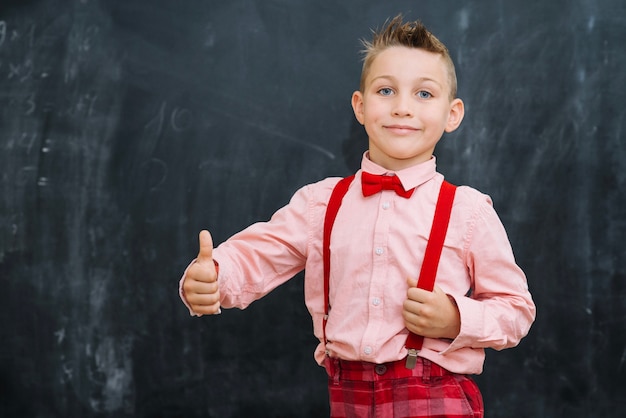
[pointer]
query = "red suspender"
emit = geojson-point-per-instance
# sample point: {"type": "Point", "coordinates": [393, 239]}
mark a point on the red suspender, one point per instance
{"type": "Point", "coordinates": [331, 213]}
{"type": "Point", "coordinates": [434, 247]}
{"type": "Point", "coordinates": [431, 257]}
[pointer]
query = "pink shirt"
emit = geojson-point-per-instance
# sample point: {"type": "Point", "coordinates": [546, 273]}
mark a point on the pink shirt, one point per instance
{"type": "Point", "coordinates": [377, 242]}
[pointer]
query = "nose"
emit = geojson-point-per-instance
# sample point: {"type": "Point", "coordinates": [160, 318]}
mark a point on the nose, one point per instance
{"type": "Point", "coordinates": [402, 106]}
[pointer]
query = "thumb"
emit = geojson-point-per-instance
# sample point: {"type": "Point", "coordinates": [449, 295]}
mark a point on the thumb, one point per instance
{"type": "Point", "coordinates": [205, 255]}
{"type": "Point", "coordinates": [411, 282]}
{"type": "Point", "coordinates": [437, 290]}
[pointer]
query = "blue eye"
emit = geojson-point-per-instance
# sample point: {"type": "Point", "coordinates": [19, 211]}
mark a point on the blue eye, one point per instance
{"type": "Point", "coordinates": [385, 91]}
{"type": "Point", "coordinates": [424, 94]}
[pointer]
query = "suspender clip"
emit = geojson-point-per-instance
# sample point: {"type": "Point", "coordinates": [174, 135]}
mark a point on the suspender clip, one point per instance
{"type": "Point", "coordinates": [411, 359]}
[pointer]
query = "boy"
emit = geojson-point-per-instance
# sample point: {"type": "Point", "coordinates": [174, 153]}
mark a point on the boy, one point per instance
{"type": "Point", "coordinates": [368, 303]}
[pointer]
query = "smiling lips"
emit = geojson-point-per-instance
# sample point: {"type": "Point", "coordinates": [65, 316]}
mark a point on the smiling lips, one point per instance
{"type": "Point", "coordinates": [401, 129]}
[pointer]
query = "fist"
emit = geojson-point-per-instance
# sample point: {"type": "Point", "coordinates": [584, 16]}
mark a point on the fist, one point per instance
{"type": "Point", "coordinates": [431, 314]}
{"type": "Point", "coordinates": [200, 285]}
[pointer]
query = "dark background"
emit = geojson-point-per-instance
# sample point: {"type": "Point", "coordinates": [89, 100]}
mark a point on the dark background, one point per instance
{"type": "Point", "coordinates": [128, 126]}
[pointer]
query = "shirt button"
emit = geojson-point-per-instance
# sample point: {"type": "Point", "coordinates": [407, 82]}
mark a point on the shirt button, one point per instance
{"type": "Point", "coordinates": [386, 205]}
{"type": "Point", "coordinates": [367, 350]}
{"type": "Point", "coordinates": [376, 301]}
{"type": "Point", "coordinates": [379, 251]}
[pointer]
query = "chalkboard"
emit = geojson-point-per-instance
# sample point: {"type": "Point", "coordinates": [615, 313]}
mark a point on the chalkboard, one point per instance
{"type": "Point", "coordinates": [128, 126]}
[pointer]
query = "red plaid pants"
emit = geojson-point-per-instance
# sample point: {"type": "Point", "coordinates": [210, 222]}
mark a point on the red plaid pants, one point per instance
{"type": "Point", "coordinates": [361, 390]}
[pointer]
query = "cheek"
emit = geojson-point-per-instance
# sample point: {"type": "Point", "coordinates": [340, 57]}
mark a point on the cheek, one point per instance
{"type": "Point", "coordinates": [438, 118]}
{"type": "Point", "coordinates": [373, 113]}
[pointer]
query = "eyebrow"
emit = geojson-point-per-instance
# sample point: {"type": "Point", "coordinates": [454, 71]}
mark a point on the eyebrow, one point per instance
{"type": "Point", "coordinates": [421, 79]}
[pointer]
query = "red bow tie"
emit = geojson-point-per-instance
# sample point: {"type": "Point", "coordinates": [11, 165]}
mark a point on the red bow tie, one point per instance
{"type": "Point", "coordinates": [373, 184]}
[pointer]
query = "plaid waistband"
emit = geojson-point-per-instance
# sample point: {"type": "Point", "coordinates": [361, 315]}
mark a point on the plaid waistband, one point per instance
{"type": "Point", "coordinates": [369, 372]}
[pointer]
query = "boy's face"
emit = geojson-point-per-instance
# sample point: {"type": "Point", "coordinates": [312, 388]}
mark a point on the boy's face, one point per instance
{"type": "Point", "coordinates": [405, 106]}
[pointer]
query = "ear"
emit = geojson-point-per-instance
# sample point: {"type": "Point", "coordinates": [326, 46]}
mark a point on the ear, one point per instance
{"type": "Point", "coordinates": [455, 117]}
{"type": "Point", "coordinates": [357, 106]}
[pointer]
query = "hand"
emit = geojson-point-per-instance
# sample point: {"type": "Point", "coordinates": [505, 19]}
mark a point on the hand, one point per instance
{"type": "Point", "coordinates": [431, 314]}
{"type": "Point", "coordinates": [200, 285]}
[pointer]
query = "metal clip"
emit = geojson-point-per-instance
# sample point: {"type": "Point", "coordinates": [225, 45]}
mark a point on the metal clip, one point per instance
{"type": "Point", "coordinates": [411, 358]}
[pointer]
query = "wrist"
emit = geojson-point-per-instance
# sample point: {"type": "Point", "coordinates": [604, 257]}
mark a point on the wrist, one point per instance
{"type": "Point", "coordinates": [455, 324]}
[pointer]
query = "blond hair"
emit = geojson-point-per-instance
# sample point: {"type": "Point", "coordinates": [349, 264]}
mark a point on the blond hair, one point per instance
{"type": "Point", "coordinates": [411, 35]}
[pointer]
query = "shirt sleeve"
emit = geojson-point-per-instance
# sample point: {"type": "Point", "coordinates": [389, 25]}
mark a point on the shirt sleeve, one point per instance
{"type": "Point", "coordinates": [256, 260]}
{"type": "Point", "coordinates": [499, 311]}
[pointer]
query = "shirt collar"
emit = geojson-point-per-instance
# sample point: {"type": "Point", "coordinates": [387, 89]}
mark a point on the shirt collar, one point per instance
{"type": "Point", "coordinates": [409, 177]}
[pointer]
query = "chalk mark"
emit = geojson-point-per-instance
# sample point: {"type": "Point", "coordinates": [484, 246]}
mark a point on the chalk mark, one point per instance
{"type": "Point", "coordinates": [160, 170]}
{"type": "Point", "coordinates": [280, 135]}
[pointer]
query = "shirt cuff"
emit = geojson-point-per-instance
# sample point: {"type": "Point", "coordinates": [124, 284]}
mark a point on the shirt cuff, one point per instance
{"type": "Point", "coordinates": [471, 320]}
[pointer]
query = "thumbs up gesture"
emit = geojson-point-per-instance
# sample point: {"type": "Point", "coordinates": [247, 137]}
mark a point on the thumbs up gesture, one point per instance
{"type": "Point", "coordinates": [200, 285]}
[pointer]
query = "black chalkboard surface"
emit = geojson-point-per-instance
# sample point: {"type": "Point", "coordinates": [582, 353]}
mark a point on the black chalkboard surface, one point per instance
{"type": "Point", "coordinates": [128, 126]}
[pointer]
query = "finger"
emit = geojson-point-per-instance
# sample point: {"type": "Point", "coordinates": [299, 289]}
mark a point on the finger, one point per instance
{"type": "Point", "coordinates": [195, 287]}
{"type": "Point", "coordinates": [205, 255]}
{"type": "Point", "coordinates": [200, 272]}
{"type": "Point", "coordinates": [413, 321]}
{"type": "Point", "coordinates": [197, 299]}
{"type": "Point", "coordinates": [410, 307]}
{"type": "Point", "coordinates": [418, 295]}
{"type": "Point", "coordinates": [437, 290]}
{"type": "Point", "coordinates": [207, 309]}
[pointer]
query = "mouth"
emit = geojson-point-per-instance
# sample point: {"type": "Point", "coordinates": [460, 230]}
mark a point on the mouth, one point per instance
{"type": "Point", "coordinates": [401, 129]}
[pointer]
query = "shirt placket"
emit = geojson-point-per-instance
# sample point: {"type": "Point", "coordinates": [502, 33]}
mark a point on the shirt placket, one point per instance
{"type": "Point", "coordinates": [380, 262]}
